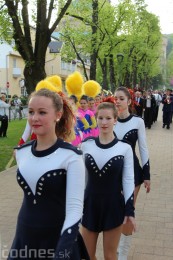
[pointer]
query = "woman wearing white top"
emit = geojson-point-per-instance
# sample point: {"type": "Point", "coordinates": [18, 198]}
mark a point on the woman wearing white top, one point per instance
{"type": "Point", "coordinates": [3, 115]}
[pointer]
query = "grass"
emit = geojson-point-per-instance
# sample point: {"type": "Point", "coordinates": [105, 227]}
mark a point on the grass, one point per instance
{"type": "Point", "coordinates": [14, 133]}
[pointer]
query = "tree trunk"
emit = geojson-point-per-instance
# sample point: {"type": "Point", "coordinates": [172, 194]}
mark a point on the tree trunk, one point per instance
{"type": "Point", "coordinates": [32, 48]}
{"type": "Point", "coordinates": [127, 79]}
{"type": "Point", "coordinates": [104, 73]}
{"type": "Point", "coordinates": [33, 74]}
{"type": "Point", "coordinates": [112, 73]}
{"type": "Point", "coordinates": [93, 56]}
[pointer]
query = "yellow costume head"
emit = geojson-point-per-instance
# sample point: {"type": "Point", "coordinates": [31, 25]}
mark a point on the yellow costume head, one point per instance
{"type": "Point", "coordinates": [74, 84]}
{"type": "Point", "coordinates": [91, 88]}
{"type": "Point", "coordinates": [52, 83]}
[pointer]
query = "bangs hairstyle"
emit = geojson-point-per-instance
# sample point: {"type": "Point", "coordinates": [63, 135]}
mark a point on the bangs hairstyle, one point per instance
{"type": "Point", "coordinates": [107, 105]}
{"type": "Point", "coordinates": [65, 127]}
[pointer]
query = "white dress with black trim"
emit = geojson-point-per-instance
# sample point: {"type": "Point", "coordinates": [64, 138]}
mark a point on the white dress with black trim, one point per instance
{"type": "Point", "coordinates": [53, 184]}
{"type": "Point", "coordinates": [110, 171]}
{"type": "Point", "coordinates": [132, 130]}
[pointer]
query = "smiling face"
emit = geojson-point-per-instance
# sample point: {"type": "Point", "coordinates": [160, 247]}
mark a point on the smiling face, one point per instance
{"type": "Point", "coordinates": [91, 104]}
{"type": "Point", "coordinates": [106, 120]}
{"type": "Point", "coordinates": [122, 101]}
{"type": "Point", "coordinates": [83, 104]}
{"type": "Point", "coordinates": [42, 116]}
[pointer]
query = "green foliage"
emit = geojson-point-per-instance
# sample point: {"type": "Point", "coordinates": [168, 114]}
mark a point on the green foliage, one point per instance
{"type": "Point", "coordinates": [32, 37]}
{"type": "Point", "coordinates": [6, 29]}
{"type": "Point", "coordinates": [170, 68]}
{"type": "Point", "coordinates": [24, 100]}
{"type": "Point", "coordinates": [125, 28]}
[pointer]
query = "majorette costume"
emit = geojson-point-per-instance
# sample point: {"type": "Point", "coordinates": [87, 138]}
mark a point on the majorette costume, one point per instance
{"type": "Point", "coordinates": [49, 218]}
{"type": "Point", "coordinates": [109, 171]}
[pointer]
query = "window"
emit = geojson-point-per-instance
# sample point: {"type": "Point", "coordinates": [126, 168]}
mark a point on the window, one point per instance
{"type": "Point", "coordinates": [14, 63]}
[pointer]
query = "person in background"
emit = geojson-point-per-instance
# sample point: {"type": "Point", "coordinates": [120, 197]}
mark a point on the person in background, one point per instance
{"type": "Point", "coordinates": [81, 122]}
{"type": "Point", "coordinates": [172, 104]}
{"type": "Point", "coordinates": [91, 104]}
{"type": "Point", "coordinates": [18, 107]}
{"type": "Point", "coordinates": [158, 100]}
{"type": "Point", "coordinates": [89, 115]}
{"type": "Point", "coordinates": [110, 170]}
{"type": "Point", "coordinates": [149, 109]}
{"type": "Point", "coordinates": [98, 100]}
{"type": "Point", "coordinates": [139, 103]}
{"type": "Point", "coordinates": [52, 175]}
{"type": "Point", "coordinates": [131, 129]}
{"type": "Point", "coordinates": [4, 111]}
{"type": "Point", "coordinates": [167, 109]}
{"type": "Point", "coordinates": [92, 107]}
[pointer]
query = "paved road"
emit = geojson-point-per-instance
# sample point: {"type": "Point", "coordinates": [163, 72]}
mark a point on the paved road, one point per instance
{"type": "Point", "coordinates": [154, 212]}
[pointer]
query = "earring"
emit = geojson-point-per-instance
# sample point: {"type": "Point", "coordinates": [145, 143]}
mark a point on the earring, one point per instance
{"type": "Point", "coordinates": [57, 120]}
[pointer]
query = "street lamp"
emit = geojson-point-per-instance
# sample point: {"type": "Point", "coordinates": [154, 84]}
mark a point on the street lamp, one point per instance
{"type": "Point", "coordinates": [120, 58]}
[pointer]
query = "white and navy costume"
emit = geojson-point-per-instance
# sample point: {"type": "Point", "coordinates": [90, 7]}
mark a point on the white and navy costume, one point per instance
{"type": "Point", "coordinates": [53, 183]}
{"type": "Point", "coordinates": [110, 170]}
{"type": "Point", "coordinates": [132, 130]}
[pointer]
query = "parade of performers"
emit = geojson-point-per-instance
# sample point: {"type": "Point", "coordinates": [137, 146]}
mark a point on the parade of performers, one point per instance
{"type": "Point", "coordinates": [106, 129]}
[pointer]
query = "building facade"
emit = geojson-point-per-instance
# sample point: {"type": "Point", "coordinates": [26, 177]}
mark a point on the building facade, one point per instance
{"type": "Point", "coordinates": [12, 65]}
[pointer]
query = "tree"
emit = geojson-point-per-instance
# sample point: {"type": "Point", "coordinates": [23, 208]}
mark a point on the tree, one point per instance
{"type": "Point", "coordinates": [142, 47]}
{"type": "Point", "coordinates": [124, 28]}
{"type": "Point", "coordinates": [46, 17]}
{"type": "Point", "coordinates": [5, 25]}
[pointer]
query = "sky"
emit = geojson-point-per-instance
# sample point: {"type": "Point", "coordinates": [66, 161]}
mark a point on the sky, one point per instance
{"type": "Point", "coordinates": [162, 9]}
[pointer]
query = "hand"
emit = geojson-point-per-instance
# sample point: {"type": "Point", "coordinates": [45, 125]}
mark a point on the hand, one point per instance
{"type": "Point", "coordinates": [130, 220]}
{"type": "Point", "coordinates": [147, 185]}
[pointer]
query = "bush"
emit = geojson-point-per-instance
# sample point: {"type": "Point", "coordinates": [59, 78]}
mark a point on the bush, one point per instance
{"type": "Point", "coordinates": [24, 100]}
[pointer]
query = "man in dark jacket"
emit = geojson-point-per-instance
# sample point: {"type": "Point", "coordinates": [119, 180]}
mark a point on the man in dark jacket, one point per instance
{"type": "Point", "coordinates": [149, 109]}
{"type": "Point", "coordinates": [167, 102]}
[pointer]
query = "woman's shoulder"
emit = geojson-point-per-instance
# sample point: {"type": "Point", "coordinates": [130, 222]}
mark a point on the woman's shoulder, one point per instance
{"type": "Point", "coordinates": [124, 142]}
{"type": "Point", "coordinates": [70, 147]}
{"type": "Point", "coordinates": [137, 118]}
{"type": "Point", "coordinates": [29, 143]}
{"type": "Point", "coordinates": [89, 139]}
{"type": "Point", "coordinates": [88, 142]}
{"type": "Point", "coordinates": [125, 145]}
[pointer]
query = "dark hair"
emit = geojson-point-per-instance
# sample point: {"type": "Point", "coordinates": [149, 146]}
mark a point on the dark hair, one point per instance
{"type": "Point", "coordinates": [129, 93]}
{"type": "Point", "coordinates": [74, 98]}
{"type": "Point", "coordinates": [107, 105]}
{"type": "Point", "coordinates": [125, 90]}
{"type": "Point", "coordinates": [90, 99]}
{"type": "Point", "coordinates": [84, 97]}
{"type": "Point", "coordinates": [65, 127]}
